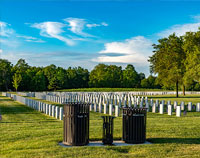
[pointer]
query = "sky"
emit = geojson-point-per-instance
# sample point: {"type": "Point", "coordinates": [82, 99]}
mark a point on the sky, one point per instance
{"type": "Point", "coordinates": [87, 32]}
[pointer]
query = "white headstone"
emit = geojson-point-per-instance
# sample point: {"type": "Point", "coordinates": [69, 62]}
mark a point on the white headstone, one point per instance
{"type": "Point", "coordinates": [198, 107]}
{"type": "Point", "coordinates": [61, 113]}
{"type": "Point", "coordinates": [100, 107]}
{"type": "Point", "coordinates": [178, 111]}
{"type": "Point", "coordinates": [47, 109]}
{"type": "Point", "coordinates": [116, 110]}
{"type": "Point", "coordinates": [105, 108]}
{"type": "Point", "coordinates": [169, 110]}
{"type": "Point", "coordinates": [190, 106]}
{"type": "Point", "coordinates": [57, 112]}
{"type": "Point", "coordinates": [53, 111]}
{"type": "Point", "coordinates": [110, 109]}
{"type": "Point", "coordinates": [182, 105]}
{"type": "Point", "coordinates": [161, 109]}
{"type": "Point", "coordinates": [154, 108]}
{"type": "Point", "coordinates": [95, 107]}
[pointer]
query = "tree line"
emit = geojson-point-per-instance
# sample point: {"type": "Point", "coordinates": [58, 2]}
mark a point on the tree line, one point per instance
{"type": "Point", "coordinates": [24, 77]}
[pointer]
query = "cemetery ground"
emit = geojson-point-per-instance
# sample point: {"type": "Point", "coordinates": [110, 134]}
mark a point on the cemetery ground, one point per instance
{"type": "Point", "coordinates": [108, 90]}
{"type": "Point", "coordinates": [25, 132]}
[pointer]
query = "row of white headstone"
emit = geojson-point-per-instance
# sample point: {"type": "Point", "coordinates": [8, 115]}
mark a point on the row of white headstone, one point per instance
{"type": "Point", "coordinates": [106, 105]}
{"type": "Point", "coordinates": [48, 109]}
{"type": "Point", "coordinates": [134, 93]}
{"type": "Point", "coordinates": [111, 107]}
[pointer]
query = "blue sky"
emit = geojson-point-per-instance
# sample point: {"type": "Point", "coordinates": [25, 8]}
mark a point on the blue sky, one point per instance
{"type": "Point", "coordinates": [85, 33]}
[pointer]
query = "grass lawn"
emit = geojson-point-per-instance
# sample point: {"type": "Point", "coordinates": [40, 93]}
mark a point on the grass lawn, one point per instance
{"type": "Point", "coordinates": [108, 90]}
{"type": "Point", "coordinates": [194, 98]}
{"type": "Point", "coordinates": [28, 133]}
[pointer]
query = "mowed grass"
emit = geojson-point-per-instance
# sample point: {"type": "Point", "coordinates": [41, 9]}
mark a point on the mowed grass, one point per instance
{"type": "Point", "coordinates": [194, 98]}
{"type": "Point", "coordinates": [28, 133]}
{"type": "Point", "coordinates": [108, 90]}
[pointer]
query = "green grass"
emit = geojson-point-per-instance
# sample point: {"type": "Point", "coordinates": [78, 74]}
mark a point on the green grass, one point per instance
{"type": "Point", "coordinates": [108, 90]}
{"type": "Point", "coordinates": [187, 98]}
{"type": "Point", "coordinates": [28, 133]}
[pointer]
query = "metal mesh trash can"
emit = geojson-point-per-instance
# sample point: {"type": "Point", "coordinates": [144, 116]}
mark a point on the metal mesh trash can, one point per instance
{"type": "Point", "coordinates": [76, 124]}
{"type": "Point", "coordinates": [107, 130]}
{"type": "Point", "coordinates": [134, 125]}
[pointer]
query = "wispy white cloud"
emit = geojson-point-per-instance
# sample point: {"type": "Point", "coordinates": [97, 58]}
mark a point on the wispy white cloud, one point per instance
{"type": "Point", "coordinates": [76, 25]}
{"type": "Point", "coordinates": [180, 30]}
{"type": "Point", "coordinates": [58, 29]}
{"type": "Point", "coordinates": [1, 51]}
{"type": "Point", "coordinates": [96, 25]}
{"type": "Point", "coordinates": [5, 30]}
{"type": "Point", "coordinates": [30, 39]}
{"type": "Point", "coordinates": [53, 30]}
{"type": "Point", "coordinates": [134, 50]}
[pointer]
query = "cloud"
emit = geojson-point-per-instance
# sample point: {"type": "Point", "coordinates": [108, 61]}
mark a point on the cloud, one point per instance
{"type": "Point", "coordinates": [59, 58]}
{"type": "Point", "coordinates": [96, 25]}
{"type": "Point", "coordinates": [134, 50]}
{"type": "Point", "coordinates": [180, 30]}
{"type": "Point", "coordinates": [5, 30]}
{"type": "Point", "coordinates": [1, 51]}
{"type": "Point", "coordinates": [53, 30]}
{"type": "Point", "coordinates": [76, 26]}
{"type": "Point", "coordinates": [31, 39]}
{"type": "Point", "coordinates": [57, 30]}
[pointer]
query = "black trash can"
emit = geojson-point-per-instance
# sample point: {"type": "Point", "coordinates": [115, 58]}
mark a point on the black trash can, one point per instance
{"type": "Point", "coordinates": [76, 124]}
{"type": "Point", "coordinates": [107, 130]}
{"type": "Point", "coordinates": [134, 125]}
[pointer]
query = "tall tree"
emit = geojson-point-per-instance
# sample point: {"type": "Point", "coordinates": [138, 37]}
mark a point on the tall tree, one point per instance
{"type": "Point", "coordinates": [192, 63]}
{"type": "Point", "coordinates": [106, 76]}
{"type": "Point", "coordinates": [131, 79]}
{"type": "Point", "coordinates": [21, 67]}
{"type": "Point", "coordinates": [39, 81]}
{"type": "Point", "coordinates": [5, 74]}
{"type": "Point", "coordinates": [17, 78]}
{"type": "Point", "coordinates": [150, 82]}
{"type": "Point", "coordinates": [168, 61]}
{"type": "Point", "coordinates": [98, 75]}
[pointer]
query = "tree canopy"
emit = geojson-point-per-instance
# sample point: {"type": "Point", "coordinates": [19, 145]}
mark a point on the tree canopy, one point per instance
{"type": "Point", "coordinates": [168, 61]}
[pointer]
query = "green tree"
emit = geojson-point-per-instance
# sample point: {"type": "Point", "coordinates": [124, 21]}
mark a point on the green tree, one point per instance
{"type": "Point", "coordinates": [53, 84]}
{"type": "Point", "coordinates": [192, 63]}
{"type": "Point", "coordinates": [168, 61]}
{"type": "Point", "coordinates": [21, 67]}
{"type": "Point", "coordinates": [5, 74]}
{"type": "Point", "coordinates": [150, 82]}
{"type": "Point", "coordinates": [82, 77]}
{"type": "Point", "coordinates": [105, 76]}
{"type": "Point", "coordinates": [98, 75]}
{"type": "Point", "coordinates": [131, 79]}
{"type": "Point", "coordinates": [39, 81]}
{"type": "Point", "coordinates": [17, 78]}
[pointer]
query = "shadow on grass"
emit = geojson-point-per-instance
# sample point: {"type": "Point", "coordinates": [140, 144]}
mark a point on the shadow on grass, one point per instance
{"type": "Point", "coordinates": [174, 140]}
{"type": "Point", "coordinates": [16, 110]}
{"type": "Point", "coordinates": [39, 122]}
{"type": "Point", "coordinates": [119, 149]}
{"type": "Point", "coordinates": [5, 100]}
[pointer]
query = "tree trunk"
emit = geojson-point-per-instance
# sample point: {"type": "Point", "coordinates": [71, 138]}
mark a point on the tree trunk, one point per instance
{"type": "Point", "coordinates": [184, 90]}
{"type": "Point", "coordinates": [177, 89]}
